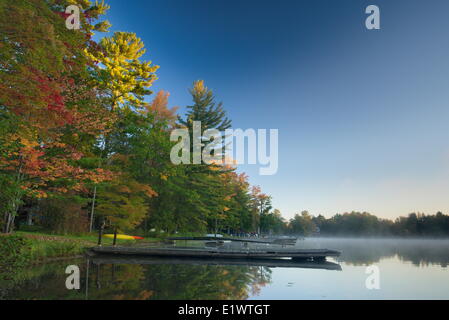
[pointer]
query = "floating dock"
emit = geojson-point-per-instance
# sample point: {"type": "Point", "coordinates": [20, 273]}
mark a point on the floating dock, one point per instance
{"type": "Point", "coordinates": [222, 253]}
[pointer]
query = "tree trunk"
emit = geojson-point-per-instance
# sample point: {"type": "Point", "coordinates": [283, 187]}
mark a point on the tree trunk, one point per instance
{"type": "Point", "coordinates": [5, 221]}
{"type": "Point", "coordinates": [29, 218]}
{"type": "Point", "coordinates": [9, 222]}
{"type": "Point", "coordinates": [6, 225]}
{"type": "Point", "coordinates": [11, 225]}
{"type": "Point", "coordinates": [93, 209]}
{"type": "Point", "coordinates": [10, 216]}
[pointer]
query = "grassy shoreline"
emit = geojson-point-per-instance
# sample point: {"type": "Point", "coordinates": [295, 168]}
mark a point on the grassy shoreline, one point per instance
{"type": "Point", "coordinates": [22, 250]}
{"type": "Point", "coordinates": [31, 248]}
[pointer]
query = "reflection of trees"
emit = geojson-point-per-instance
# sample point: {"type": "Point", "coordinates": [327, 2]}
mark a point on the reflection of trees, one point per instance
{"type": "Point", "coordinates": [369, 251]}
{"type": "Point", "coordinates": [203, 282]}
{"type": "Point", "coordinates": [189, 281]}
{"type": "Point", "coordinates": [422, 256]}
{"type": "Point", "coordinates": [143, 282]}
{"type": "Point", "coordinates": [117, 282]}
{"type": "Point", "coordinates": [176, 282]}
{"type": "Point", "coordinates": [45, 282]}
{"type": "Point", "coordinates": [262, 277]}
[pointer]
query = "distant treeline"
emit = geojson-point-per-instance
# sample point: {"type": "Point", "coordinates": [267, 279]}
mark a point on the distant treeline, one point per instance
{"type": "Point", "coordinates": [366, 224]}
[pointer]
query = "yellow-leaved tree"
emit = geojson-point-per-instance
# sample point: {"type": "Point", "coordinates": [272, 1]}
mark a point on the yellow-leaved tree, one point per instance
{"type": "Point", "coordinates": [123, 79]}
{"type": "Point", "coordinates": [122, 74]}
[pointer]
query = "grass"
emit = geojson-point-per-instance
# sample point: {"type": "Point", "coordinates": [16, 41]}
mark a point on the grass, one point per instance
{"type": "Point", "coordinates": [46, 246]}
{"type": "Point", "coordinates": [44, 250]}
{"type": "Point", "coordinates": [90, 239]}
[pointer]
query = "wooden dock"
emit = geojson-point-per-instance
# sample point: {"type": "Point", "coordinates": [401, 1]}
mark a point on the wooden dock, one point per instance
{"type": "Point", "coordinates": [222, 253]}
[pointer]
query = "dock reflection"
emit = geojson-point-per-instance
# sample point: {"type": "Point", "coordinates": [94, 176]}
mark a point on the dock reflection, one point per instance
{"type": "Point", "coordinates": [269, 263]}
{"type": "Point", "coordinates": [123, 277]}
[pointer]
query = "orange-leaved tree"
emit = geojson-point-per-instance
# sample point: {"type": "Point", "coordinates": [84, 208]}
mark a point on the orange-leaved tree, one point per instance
{"type": "Point", "coordinates": [49, 113]}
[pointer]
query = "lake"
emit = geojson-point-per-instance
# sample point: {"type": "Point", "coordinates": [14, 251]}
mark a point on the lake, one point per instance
{"type": "Point", "coordinates": [400, 269]}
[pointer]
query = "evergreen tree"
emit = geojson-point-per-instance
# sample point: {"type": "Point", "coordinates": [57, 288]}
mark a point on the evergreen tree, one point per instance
{"type": "Point", "coordinates": [205, 109]}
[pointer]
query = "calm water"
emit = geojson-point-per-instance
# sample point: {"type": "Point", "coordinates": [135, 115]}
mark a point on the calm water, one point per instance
{"type": "Point", "coordinates": [409, 269]}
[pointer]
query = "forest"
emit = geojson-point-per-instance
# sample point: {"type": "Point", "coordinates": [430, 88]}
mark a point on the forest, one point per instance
{"type": "Point", "coordinates": [85, 142]}
{"type": "Point", "coordinates": [363, 224]}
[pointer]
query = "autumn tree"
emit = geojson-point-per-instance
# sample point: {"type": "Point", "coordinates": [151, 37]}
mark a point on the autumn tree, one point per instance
{"type": "Point", "coordinates": [143, 139]}
{"type": "Point", "coordinates": [44, 92]}
{"type": "Point", "coordinates": [77, 131]}
{"type": "Point", "coordinates": [124, 77]}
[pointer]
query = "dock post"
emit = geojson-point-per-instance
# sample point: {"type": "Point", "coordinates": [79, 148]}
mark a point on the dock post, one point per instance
{"type": "Point", "coordinates": [115, 237]}
{"type": "Point", "coordinates": [100, 233]}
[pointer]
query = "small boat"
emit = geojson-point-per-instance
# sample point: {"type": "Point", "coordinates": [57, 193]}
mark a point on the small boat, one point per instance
{"type": "Point", "coordinates": [123, 237]}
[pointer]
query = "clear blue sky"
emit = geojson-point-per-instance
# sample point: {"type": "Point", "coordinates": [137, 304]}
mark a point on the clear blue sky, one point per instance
{"type": "Point", "coordinates": [362, 115]}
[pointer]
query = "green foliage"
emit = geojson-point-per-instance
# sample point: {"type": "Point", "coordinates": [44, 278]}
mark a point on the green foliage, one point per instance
{"type": "Point", "coordinates": [204, 109]}
{"type": "Point", "coordinates": [422, 225]}
{"type": "Point", "coordinates": [272, 222]}
{"type": "Point", "coordinates": [302, 224]}
{"type": "Point", "coordinates": [123, 203]}
{"type": "Point", "coordinates": [15, 254]}
{"type": "Point", "coordinates": [10, 196]}
{"type": "Point", "coordinates": [64, 215]}
{"type": "Point", "coordinates": [354, 224]}
{"type": "Point", "coordinates": [18, 252]}
{"type": "Point", "coordinates": [75, 125]}
{"type": "Point", "coordinates": [74, 117]}
{"type": "Point", "coordinates": [363, 224]}
{"type": "Point", "coordinates": [47, 120]}
{"type": "Point", "coordinates": [42, 250]}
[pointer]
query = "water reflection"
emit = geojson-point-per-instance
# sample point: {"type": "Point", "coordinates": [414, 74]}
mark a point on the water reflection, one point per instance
{"type": "Point", "coordinates": [419, 263]}
{"type": "Point", "coordinates": [116, 278]}
{"type": "Point", "coordinates": [143, 281]}
{"type": "Point", "coordinates": [268, 263]}
{"type": "Point", "coordinates": [419, 252]}
{"type": "Point", "coordinates": [188, 279]}
{"type": "Point", "coordinates": [174, 281]}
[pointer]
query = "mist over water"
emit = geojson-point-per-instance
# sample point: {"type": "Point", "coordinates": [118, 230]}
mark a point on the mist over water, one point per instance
{"type": "Point", "coordinates": [408, 269]}
{"type": "Point", "coordinates": [363, 251]}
